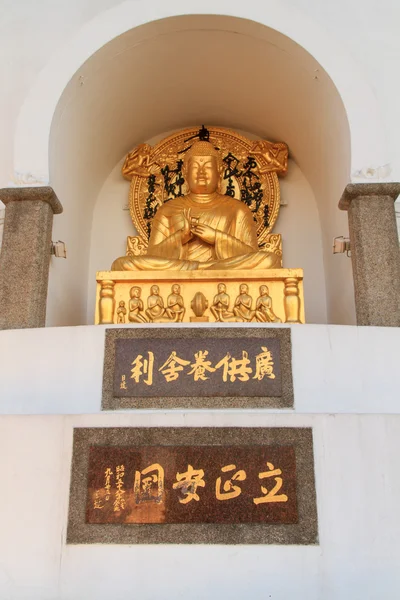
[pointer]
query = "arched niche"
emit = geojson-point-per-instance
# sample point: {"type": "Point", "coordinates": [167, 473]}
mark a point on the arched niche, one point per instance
{"type": "Point", "coordinates": [188, 70]}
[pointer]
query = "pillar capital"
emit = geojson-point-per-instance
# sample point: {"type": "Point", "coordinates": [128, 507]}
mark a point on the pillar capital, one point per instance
{"type": "Point", "coordinates": [363, 190]}
{"type": "Point", "coordinates": [32, 194]}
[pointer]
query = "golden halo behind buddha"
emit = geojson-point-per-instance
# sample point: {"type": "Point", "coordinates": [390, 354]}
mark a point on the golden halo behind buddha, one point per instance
{"type": "Point", "coordinates": [254, 165]}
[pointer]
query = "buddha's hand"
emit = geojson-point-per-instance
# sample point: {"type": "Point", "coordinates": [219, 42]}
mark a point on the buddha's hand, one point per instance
{"type": "Point", "coordinates": [186, 232]}
{"type": "Point", "coordinates": [205, 233]}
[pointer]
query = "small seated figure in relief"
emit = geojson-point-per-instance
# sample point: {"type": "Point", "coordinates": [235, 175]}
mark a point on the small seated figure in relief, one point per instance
{"type": "Point", "coordinates": [220, 306]}
{"type": "Point", "coordinates": [264, 312]}
{"type": "Point", "coordinates": [155, 305]}
{"type": "Point", "coordinates": [204, 229]}
{"type": "Point", "coordinates": [243, 302]}
{"type": "Point", "coordinates": [121, 312]}
{"type": "Point", "coordinates": [136, 306]}
{"type": "Point", "coordinates": [175, 307]}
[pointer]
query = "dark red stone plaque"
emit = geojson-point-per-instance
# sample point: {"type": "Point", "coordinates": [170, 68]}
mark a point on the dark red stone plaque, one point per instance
{"type": "Point", "coordinates": [197, 368]}
{"type": "Point", "coordinates": [192, 484]}
{"type": "Point", "coordinates": [205, 367]}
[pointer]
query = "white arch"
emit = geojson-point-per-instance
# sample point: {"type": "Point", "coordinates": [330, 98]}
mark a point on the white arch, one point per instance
{"type": "Point", "coordinates": [31, 148]}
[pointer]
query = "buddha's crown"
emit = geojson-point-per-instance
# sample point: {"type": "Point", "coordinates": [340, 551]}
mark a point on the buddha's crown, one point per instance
{"type": "Point", "coordinates": [202, 148]}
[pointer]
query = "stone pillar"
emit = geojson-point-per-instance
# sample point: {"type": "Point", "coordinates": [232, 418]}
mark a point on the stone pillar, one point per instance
{"type": "Point", "coordinates": [375, 253]}
{"type": "Point", "coordinates": [25, 255]}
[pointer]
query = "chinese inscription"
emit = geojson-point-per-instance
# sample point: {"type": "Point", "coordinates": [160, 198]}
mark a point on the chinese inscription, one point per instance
{"type": "Point", "coordinates": [202, 367]}
{"type": "Point", "coordinates": [179, 484]}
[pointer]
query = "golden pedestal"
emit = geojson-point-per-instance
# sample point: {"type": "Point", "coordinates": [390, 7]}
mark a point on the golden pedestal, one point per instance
{"type": "Point", "coordinates": [200, 296]}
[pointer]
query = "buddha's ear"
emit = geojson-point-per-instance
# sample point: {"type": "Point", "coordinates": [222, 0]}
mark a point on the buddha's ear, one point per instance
{"type": "Point", "coordinates": [221, 168]}
{"type": "Point", "coordinates": [184, 170]}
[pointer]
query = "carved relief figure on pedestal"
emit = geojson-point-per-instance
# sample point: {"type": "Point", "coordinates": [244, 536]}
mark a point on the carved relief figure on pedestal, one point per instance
{"type": "Point", "coordinates": [136, 306]}
{"type": "Point", "coordinates": [175, 306]}
{"type": "Point", "coordinates": [155, 304]}
{"type": "Point", "coordinates": [243, 303]}
{"type": "Point", "coordinates": [121, 312]}
{"type": "Point", "coordinates": [264, 312]}
{"type": "Point", "coordinates": [220, 306]}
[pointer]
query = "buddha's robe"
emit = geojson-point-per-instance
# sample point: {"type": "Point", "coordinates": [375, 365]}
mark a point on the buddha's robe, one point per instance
{"type": "Point", "coordinates": [235, 243]}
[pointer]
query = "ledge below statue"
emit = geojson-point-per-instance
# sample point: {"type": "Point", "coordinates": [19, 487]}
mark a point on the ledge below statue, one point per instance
{"type": "Point", "coordinates": [263, 296]}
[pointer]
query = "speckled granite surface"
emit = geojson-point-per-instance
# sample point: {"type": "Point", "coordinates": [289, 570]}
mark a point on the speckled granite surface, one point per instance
{"type": "Point", "coordinates": [305, 531]}
{"type": "Point", "coordinates": [284, 400]}
{"type": "Point", "coordinates": [25, 255]}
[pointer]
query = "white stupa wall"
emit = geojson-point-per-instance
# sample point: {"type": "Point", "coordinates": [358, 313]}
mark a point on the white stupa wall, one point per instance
{"type": "Point", "coordinates": [345, 389]}
{"type": "Point", "coordinates": [345, 378]}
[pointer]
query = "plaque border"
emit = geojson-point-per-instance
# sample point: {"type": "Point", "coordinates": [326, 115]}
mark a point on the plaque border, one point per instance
{"type": "Point", "coordinates": [111, 402]}
{"type": "Point", "coordinates": [305, 532]}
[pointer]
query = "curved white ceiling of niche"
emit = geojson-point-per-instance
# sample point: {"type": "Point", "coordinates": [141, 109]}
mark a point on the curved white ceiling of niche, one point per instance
{"type": "Point", "coordinates": [31, 148]}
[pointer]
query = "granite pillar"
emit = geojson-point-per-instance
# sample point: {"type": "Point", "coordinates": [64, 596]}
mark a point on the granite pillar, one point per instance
{"type": "Point", "coordinates": [375, 251]}
{"type": "Point", "coordinates": [25, 255]}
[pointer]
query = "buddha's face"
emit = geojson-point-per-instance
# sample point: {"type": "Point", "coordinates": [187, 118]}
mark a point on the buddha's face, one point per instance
{"type": "Point", "coordinates": [202, 174]}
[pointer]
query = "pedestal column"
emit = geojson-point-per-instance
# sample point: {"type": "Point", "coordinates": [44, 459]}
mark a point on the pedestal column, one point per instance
{"type": "Point", "coordinates": [375, 251]}
{"type": "Point", "coordinates": [25, 255]}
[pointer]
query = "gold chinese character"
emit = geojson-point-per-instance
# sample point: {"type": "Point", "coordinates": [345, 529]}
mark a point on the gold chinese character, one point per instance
{"type": "Point", "coordinates": [235, 367]}
{"type": "Point", "coordinates": [143, 367]}
{"type": "Point", "coordinates": [123, 383]}
{"type": "Point", "coordinates": [264, 365]}
{"type": "Point", "coordinates": [97, 500]}
{"type": "Point", "coordinates": [229, 490]}
{"type": "Point", "coordinates": [201, 365]}
{"type": "Point", "coordinates": [107, 482]}
{"type": "Point", "coordinates": [188, 483]}
{"type": "Point", "coordinates": [149, 484]}
{"type": "Point", "coordinates": [271, 496]}
{"type": "Point", "coordinates": [171, 370]}
{"type": "Point", "coordinates": [119, 501]}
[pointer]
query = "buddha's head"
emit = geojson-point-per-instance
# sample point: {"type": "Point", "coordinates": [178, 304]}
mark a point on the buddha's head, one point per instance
{"type": "Point", "coordinates": [202, 168]}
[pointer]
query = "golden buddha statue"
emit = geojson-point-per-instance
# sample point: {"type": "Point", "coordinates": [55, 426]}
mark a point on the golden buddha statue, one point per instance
{"type": "Point", "coordinates": [204, 229]}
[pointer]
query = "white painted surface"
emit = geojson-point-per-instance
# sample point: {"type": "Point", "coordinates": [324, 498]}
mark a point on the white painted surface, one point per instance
{"type": "Point", "coordinates": [357, 461]}
{"type": "Point", "coordinates": [336, 369]}
{"type": "Point", "coordinates": [360, 103]}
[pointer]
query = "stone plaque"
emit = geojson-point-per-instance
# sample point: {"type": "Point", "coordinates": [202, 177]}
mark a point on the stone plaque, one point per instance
{"type": "Point", "coordinates": [199, 484]}
{"type": "Point", "coordinates": [217, 368]}
{"type": "Point", "coordinates": [185, 485]}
